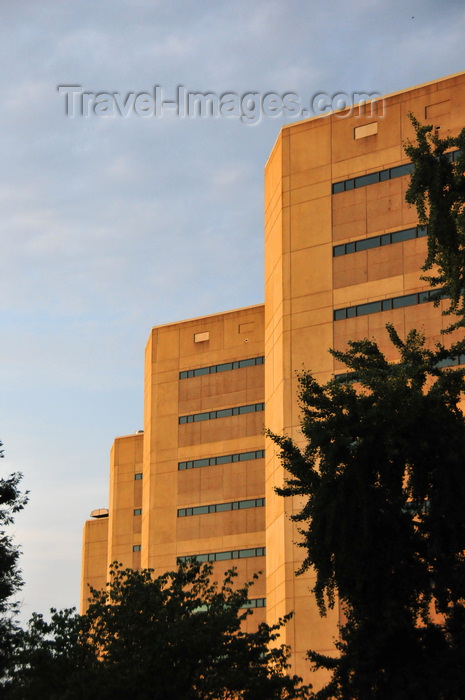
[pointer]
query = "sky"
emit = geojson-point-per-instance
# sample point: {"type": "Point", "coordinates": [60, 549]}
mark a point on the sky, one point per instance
{"type": "Point", "coordinates": [112, 224]}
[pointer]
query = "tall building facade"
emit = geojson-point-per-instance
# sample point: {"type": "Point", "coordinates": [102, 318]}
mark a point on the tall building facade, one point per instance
{"type": "Point", "coordinates": [343, 256]}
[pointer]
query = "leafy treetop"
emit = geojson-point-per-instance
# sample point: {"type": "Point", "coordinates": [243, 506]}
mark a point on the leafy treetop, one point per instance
{"type": "Point", "coordinates": [437, 189]}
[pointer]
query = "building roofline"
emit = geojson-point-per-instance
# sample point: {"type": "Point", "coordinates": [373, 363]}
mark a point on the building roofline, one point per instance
{"type": "Point", "coordinates": [209, 316]}
{"type": "Point", "coordinates": [390, 95]}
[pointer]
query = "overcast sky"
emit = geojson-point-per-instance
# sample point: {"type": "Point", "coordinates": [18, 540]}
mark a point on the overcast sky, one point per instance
{"type": "Point", "coordinates": [112, 225]}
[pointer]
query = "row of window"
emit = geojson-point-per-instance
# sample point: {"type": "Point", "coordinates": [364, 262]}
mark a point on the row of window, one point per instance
{"type": "Point", "coordinates": [407, 234]}
{"type": "Point", "coordinates": [448, 362]}
{"type": "Point", "coordinates": [222, 413]}
{"type": "Point", "coordinates": [373, 307]}
{"type": "Point", "coordinates": [224, 367]}
{"type": "Point", "coordinates": [221, 459]}
{"type": "Point", "coordinates": [370, 179]}
{"type": "Point", "coordinates": [383, 175]}
{"type": "Point", "coordinates": [223, 556]}
{"type": "Point", "coordinates": [255, 603]}
{"type": "Point", "coordinates": [221, 507]}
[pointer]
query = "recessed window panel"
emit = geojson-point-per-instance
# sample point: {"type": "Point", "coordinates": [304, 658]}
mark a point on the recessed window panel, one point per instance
{"type": "Point", "coordinates": [407, 300]}
{"type": "Point", "coordinates": [405, 235]}
{"type": "Point", "coordinates": [201, 416]}
{"type": "Point", "coordinates": [222, 556]}
{"type": "Point", "coordinates": [338, 187]}
{"type": "Point", "coordinates": [401, 170]}
{"type": "Point", "coordinates": [369, 179]}
{"type": "Point", "coordinates": [247, 504]}
{"type": "Point", "coordinates": [200, 510]}
{"type": "Point", "coordinates": [221, 507]}
{"type": "Point", "coordinates": [222, 367]}
{"type": "Point", "coordinates": [367, 243]}
{"type": "Point", "coordinates": [339, 250]}
{"type": "Point", "coordinates": [370, 308]}
{"type": "Point", "coordinates": [247, 363]}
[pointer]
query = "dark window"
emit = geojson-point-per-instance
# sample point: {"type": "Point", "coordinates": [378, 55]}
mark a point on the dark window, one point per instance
{"type": "Point", "coordinates": [369, 179]}
{"type": "Point", "coordinates": [339, 314]}
{"type": "Point", "coordinates": [221, 459]}
{"type": "Point", "coordinates": [201, 416]}
{"type": "Point", "coordinates": [405, 235]}
{"type": "Point", "coordinates": [137, 511]}
{"type": "Point", "coordinates": [138, 476]}
{"type": "Point", "coordinates": [221, 507]}
{"type": "Point", "coordinates": [136, 548]}
{"type": "Point", "coordinates": [223, 367]}
{"type": "Point", "coordinates": [247, 363]}
{"type": "Point", "coordinates": [372, 178]}
{"type": "Point", "coordinates": [222, 556]}
{"type": "Point", "coordinates": [245, 553]}
{"type": "Point", "coordinates": [407, 300]}
{"type": "Point", "coordinates": [401, 170]}
{"type": "Point", "coordinates": [251, 503]}
{"type": "Point", "coordinates": [367, 243]}
{"type": "Point", "coordinates": [386, 304]}
{"type": "Point", "coordinates": [370, 308]}
{"type": "Point", "coordinates": [222, 413]}
{"type": "Point", "coordinates": [376, 241]}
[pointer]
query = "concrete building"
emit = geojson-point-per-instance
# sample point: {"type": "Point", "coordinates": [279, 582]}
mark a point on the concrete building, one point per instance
{"type": "Point", "coordinates": [342, 258]}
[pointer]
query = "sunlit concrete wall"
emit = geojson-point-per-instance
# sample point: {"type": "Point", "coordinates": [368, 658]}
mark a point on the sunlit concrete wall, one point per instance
{"type": "Point", "coordinates": [305, 284]}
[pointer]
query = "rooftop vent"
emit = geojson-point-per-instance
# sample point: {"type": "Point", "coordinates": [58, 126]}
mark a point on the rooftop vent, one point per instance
{"type": "Point", "coordinates": [99, 513]}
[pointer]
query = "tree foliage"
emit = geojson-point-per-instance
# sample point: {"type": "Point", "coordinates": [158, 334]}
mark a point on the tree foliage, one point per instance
{"type": "Point", "coordinates": [437, 189]}
{"type": "Point", "coordinates": [11, 502]}
{"type": "Point", "coordinates": [174, 636]}
{"type": "Point", "coordinates": [382, 476]}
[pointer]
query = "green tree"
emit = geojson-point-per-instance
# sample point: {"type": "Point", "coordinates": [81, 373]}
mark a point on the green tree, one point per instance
{"type": "Point", "coordinates": [174, 636]}
{"type": "Point", "coordinates": [437, 189]}
{"type": "Point", "coordinates": [11, 502]}
{"type": "Point", "coordinates": [382, 476]}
